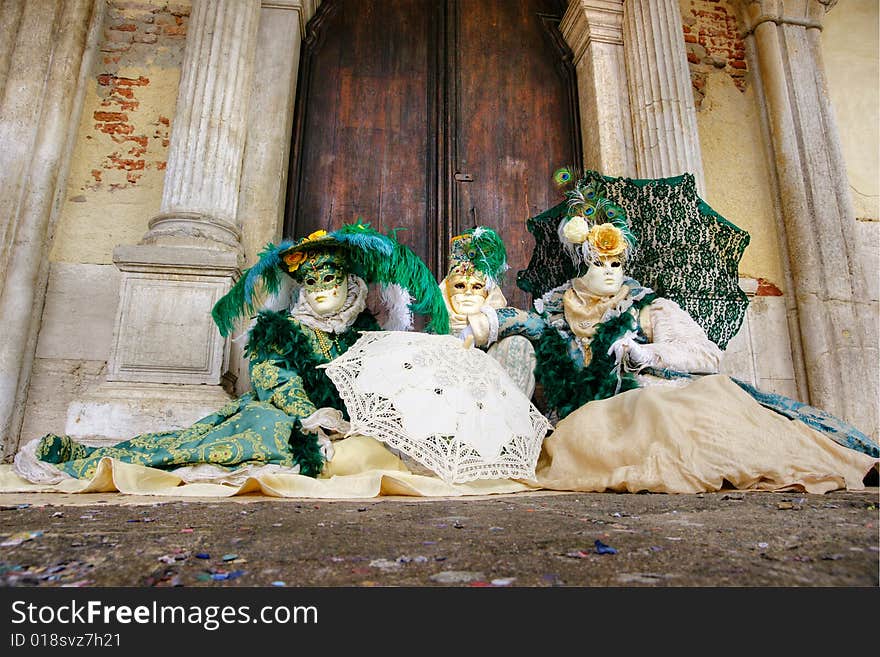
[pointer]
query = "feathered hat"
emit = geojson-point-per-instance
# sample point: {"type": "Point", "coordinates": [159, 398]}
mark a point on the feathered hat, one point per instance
{"type": "Point", "coordinates": [380, 260]}
{"type": "Point", "coordinates": [593, 227]}
{"type": "Point", "coordinates": [478, 249]}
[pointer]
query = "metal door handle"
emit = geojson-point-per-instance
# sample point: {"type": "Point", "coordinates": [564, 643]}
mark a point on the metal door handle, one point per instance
{"type": "Point", "coordinates": [463, 177]}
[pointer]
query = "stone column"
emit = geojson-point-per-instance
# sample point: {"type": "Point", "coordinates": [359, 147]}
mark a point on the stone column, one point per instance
{"type": "Point", "coordinates": [593, 30]}
{"type": "Point", "coordinates": [664, 119]}
{"type": "Point", "coordinates": [168, 365]}
{"type": "Point", "coordinates": [44, 54]}
{"type": "Point", "coordinates": [837, 321]}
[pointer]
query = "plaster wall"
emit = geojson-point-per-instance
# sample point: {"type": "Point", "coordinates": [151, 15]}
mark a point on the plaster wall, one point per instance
{"type": "Point", "coordinates": [117, 169]}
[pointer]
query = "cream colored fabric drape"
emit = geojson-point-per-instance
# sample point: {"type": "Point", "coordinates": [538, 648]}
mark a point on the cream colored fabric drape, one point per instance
{"type": "Point", "coordinates": [690, 440]}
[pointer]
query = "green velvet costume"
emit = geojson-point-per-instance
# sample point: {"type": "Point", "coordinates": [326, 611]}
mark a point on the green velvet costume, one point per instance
{"type": "Point", "coordinates": [260, 427]}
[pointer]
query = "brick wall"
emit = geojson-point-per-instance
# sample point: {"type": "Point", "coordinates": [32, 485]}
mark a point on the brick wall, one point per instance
{"type": "Point", "coordinates": [137, 37]}
{"type": "Point", "coordinates": [713, 44]}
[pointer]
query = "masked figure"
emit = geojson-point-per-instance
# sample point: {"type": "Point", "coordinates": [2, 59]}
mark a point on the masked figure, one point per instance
{"type": "Point", "coordinates": [679, 426]}
{"type": "Point", "coordinates": [318, 287]}
{"type": "Point", "coordinates": [472, 294]}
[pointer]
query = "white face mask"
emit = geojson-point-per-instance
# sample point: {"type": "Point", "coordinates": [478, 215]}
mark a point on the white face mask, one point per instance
{"type": "Point", "coordinates": [329, 300]}
{"type": "Point", "coordinates": [604, 277]}
{"type": "Point", "coordinates": [467, 294]}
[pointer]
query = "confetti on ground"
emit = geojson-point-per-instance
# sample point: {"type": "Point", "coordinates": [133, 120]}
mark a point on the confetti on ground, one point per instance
{"type": "Point", "coordinates": [202, 555]}
{"type": "Point", "coordinates": [278, 582]}
{"type": "Point", "coordinates": [21, 537]}
{"type": "Point", "coordinates": [229, 557]}
{"type": "Point", "coordinates": [456, 577]}
{"type": "Point", "coordinates": [601, 548]}
{"type": "Point", "coordinates": [503, 581]}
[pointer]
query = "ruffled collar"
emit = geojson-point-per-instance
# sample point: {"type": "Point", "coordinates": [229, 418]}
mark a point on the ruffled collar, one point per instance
{"type": "Point", "coordinates": [340, 321]}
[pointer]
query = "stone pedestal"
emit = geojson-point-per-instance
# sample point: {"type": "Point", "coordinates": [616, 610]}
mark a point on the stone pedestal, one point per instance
{"type": "Point", "coordinates": [164, 332]}
{"type": "Point", "coordinates": [117, 411]}
{"type": "Point", "coordinates": [168, 365]}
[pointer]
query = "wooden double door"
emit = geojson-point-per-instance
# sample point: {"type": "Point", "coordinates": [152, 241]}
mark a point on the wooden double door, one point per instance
{"type": "Point", "coordinates": [433, 116]}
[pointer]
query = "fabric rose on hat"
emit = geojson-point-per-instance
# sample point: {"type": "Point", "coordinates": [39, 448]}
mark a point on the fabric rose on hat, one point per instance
{"type": "Point", "coordinates": [607, 240]}
{"type": "Point", "coordinates": [576, 230]}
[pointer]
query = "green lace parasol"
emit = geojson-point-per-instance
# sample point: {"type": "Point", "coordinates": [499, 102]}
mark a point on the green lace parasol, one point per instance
{"type": "Point", "coordinates": [685, 250]}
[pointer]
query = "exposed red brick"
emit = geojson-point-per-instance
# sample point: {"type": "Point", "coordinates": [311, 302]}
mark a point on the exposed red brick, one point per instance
{"type": "Point", "coordinates": [131, 82]}
{"type": "Point", "coordinates": [179, 30]}
{"type": "Point", "coordinates": [738, 64]}
{"type": "Point", "coordinates": [124, 27]}
{"type": "Point", "coordinates": [110, 116]}
{"type": "Point", "coordinates": [767, 289]}
{"type": "Point", "coordinates": [96, 174]}
{"type": "Point", "coordinates": [160, 166]}
{"type": "Point", "coordinates": [125, 164]}
{"type": "Point", "coordinates": [125, 92]}
{"type": "Point", "coordinates": [115, 128]}
{"type": "Point", "coordinates": [164, 120]}
{"type": "Point", "coordinates": [692, 58]}
{"type": "Point", "coordinates": [690, 38]}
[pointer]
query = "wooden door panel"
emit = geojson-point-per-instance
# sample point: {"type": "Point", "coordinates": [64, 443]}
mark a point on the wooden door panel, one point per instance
{"type": "Point", "coordinates": [397, 96]}
{"type": "Point", "coordinates": [362, 147]}
{"type": "Point", "coordinates": [513, 120]}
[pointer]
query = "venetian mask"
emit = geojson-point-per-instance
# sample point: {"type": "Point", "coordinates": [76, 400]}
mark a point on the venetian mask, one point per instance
{"type": "Point", "coordinates": [467, 293]}
{"type": "Point", "coordinates": [604, 276]}
{"type": "Point", "coordinates": [325, 287]}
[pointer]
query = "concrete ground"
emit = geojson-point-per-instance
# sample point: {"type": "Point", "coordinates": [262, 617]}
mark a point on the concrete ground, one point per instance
{"type": "Point", "coordinates": [536, 539]}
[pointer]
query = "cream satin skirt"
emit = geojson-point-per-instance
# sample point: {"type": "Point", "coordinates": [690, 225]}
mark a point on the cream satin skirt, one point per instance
{"type": "Point", "coordinates": [692, 439]}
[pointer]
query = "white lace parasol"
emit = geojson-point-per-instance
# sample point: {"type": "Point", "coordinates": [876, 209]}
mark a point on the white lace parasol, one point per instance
{"type": "Point", "coordinates": [455, 410]}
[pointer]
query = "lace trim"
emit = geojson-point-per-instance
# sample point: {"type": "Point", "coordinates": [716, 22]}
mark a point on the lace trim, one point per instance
{"type": "Point", "coordinates": [28, 466]}
{"type": "Point", "coordinates": [214, 474]}
{"type": "Point", "coordinates": [339, 322]}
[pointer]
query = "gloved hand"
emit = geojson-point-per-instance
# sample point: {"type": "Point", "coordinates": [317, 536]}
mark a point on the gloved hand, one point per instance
{"type": "Point", "coordinates": [634, 352]}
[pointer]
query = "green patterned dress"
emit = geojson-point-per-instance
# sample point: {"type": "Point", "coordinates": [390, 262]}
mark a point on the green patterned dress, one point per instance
{"type": "Point", "coordinates": [261, 427]}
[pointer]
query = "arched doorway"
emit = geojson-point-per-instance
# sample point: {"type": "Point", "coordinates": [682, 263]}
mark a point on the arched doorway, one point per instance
{"type": "Point", "coordinates": [433, 116]}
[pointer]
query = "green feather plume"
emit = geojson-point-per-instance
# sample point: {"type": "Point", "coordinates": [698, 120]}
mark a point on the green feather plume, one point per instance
{"type": "Point", "coordinates": [487, 252]}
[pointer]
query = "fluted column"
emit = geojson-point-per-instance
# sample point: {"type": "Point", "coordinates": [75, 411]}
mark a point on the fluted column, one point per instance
{"type": "Point", "coordinates": [837, 321]}
{"type": "Point", "coordinates": [593, 30]}
{"type": "Point", "coordinates": [664, 120]}
{"type": "Point", "coordinates": [43, 57]}
{"type": "Point", "coordinates": [200, 196]}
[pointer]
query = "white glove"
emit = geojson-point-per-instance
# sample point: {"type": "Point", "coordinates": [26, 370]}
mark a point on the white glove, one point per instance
{"type": "Point", "coordinates": [636, 353]}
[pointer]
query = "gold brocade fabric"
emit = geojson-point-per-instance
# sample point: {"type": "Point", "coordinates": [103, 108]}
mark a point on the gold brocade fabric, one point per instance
{"type": "Point", "coordinates": [689, 440]}
{"type": "Point", "coordinates": [583, 311]}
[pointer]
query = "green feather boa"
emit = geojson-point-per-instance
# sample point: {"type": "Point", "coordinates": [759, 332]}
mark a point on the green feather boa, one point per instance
{"type": "Point", "coordinates": [566, 386]}
{"type": "Point", "coordinates": [274, 335]}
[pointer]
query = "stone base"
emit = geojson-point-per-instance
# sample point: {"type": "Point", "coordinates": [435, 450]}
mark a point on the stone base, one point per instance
{"type": "Point", "coordinates": [119, 411]}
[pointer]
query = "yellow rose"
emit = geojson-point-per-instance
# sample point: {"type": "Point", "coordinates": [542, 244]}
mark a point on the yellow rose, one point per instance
{"type": "Point", "coordinates": [294, 260]}
{"type": "Point", "coordinates": [576, 230]}
{"type": "Point", "coordinates": [607, 240]}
